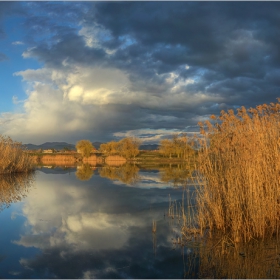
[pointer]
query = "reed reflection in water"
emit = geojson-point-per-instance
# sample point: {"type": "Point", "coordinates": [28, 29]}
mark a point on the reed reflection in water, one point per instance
{"type": "Point", "coordinates": [14, 187]}
{"type": "Point", "coordinates": [218, 257]}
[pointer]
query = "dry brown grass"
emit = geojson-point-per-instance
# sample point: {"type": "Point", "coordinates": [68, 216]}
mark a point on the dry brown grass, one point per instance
{"type": "Point", "coordinates": [92, 159]}
{"type": "Point", "coordinates": [57, 159]}
{"type": "Point", "coordinates": [239, 168]}
{"type": "Point", "coordinates": [115, 160]}
{"type": "Point", "coordinates": [12, 157]}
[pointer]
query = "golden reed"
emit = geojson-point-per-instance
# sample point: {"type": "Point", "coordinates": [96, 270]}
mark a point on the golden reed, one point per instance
{"type": "Point", "coordinates": [12, 157]}
{"type": "Point", "coordinates": [239, 167]}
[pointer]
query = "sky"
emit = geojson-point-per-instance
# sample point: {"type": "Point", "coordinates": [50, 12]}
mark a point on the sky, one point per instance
{"type": "Point", "coordinates": [107, 70]}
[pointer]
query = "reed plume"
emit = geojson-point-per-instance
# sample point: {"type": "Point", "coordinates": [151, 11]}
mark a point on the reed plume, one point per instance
{"type": "Point", "coordinates": [239, 167]}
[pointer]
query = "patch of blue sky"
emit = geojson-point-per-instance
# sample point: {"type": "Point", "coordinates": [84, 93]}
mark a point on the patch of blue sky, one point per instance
{"type": "Point", "coordinates": [215, 106]}
{"type": "Point", "coordinates": [147, 135]}
{"type": "Point", "coordinates": [127, 41]}
{"type": "Point", "coordinates": [13, 46]}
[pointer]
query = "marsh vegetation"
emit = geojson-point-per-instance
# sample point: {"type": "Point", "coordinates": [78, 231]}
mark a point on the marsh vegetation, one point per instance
{"type": "Point", "coordinates": [239, 174]}
{"type": "Point", "coordinates": [13, 159]}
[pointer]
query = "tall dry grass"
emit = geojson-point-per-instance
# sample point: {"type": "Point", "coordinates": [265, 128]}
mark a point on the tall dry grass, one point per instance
{"type": "Point", "coordinates": [12, 157]}
{"type": "Point", "coordinates": [239, 167]}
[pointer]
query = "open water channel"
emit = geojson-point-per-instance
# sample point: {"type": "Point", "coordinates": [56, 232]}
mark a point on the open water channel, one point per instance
{"type": "Point", "coordinates": [98, 223]}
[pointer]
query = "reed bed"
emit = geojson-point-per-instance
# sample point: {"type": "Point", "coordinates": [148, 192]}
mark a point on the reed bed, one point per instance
{"type": "Point", "coordinates": [12, 157]}
{"type": "Point", "coordinates": [239, 167]}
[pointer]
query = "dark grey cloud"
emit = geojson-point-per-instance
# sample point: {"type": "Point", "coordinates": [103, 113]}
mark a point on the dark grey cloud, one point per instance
{"type": "Point", "coordinates": [48, 22]}
{"type": "Point", "coordinates": [72, 49]}
{"type": "Point", "coordinates": [235, 39]}
{"type": "Point", "coordinates": [231, 38]}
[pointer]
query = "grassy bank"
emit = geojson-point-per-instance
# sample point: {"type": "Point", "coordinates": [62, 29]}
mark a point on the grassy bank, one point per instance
{"type": "Point", "coordinates": [13, 159]}
{"type": "Point", "coordinates": [240, 172]}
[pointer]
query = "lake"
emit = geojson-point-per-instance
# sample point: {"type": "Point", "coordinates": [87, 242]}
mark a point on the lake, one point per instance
{"type": "Point", "coordinates": [59, 226]}
{"type": "Point", "coordinates": [114, 222]}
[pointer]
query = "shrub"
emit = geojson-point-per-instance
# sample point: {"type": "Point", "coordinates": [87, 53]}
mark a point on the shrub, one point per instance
{"type": "Point", "coordinates": [85, 147]}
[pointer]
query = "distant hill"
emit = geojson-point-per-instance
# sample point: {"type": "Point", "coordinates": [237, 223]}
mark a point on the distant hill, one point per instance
{"type": "Point", "coordinates": [50, 145]}
{"type": "Point", "coordinates": [149, 147]}
{"type": "Point", "coordinates": [56, 146]}
{"type": "Point", "coordinates": [62, 145]}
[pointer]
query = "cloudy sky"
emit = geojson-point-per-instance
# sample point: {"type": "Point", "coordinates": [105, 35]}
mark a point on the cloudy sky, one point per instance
{"type": "Point", "coordinates": [106, 70]}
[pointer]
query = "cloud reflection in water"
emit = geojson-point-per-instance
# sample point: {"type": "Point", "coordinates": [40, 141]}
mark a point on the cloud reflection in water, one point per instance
{"type": "Point", "coordinates": [97, 229]}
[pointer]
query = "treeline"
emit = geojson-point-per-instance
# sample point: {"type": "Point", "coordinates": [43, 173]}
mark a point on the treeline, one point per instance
{"type": "Point", "coordinates": [178, 146]}
{"type": "Point", "coordinates": [127, 147]}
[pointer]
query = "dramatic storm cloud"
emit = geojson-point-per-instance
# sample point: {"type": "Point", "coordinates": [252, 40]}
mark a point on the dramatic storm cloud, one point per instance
{"type": "Point", "coordinates": [100, 70]}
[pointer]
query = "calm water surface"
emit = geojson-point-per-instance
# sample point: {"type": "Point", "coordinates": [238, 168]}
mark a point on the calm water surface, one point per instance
{"type": "Point", "coordinates": [97, 227]}
{"type": "Point", "coordinates": [97, 223]}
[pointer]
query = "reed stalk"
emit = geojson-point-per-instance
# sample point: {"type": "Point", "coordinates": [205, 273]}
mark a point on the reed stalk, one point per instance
{"type": "Point", "coordinates": [154, 228]}
{"type": "Point", "coordinates": [239, 168]}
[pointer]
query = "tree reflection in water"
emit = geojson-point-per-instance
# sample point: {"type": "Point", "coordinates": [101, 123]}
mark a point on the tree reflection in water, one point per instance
{"type": "Point", "coordinates": [179, 174]}
{"type": "Point", "coordinates": [14, 187]}
{"type": "Point", "coordinates": [84, 172]}
{"type": "Point", "coordinates": [127, 173]}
